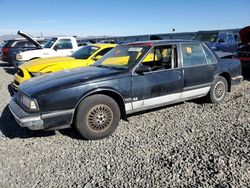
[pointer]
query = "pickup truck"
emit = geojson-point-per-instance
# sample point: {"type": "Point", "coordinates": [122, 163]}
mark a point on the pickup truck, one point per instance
{"type": "Point", "coordinates": [224, 42]}
{"type": "Point", "coordinates": [129, 78]}
{"type": "Point", "coordinates": [57, 46]}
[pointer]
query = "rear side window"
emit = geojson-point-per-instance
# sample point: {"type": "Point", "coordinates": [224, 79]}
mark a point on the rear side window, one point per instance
{"type": "Point", "coordinates": [29, 44]}
{"type": "Point", "coordinates": [20, 44]}
{"type": "Point", "coordinates": [193, 55]}
{"type": "Point", "coordinates": [8, 44]}
{"type": "Point", "coordinates": [64, 44]}
{"type": "Point", "coordinates": [210, 57]}
{"type": "Point", "coordinates": [230, 38]}
{"type": "Point", "coordinates": [222, 38]}
{"type": "Point", "coordinates": [42, 42]}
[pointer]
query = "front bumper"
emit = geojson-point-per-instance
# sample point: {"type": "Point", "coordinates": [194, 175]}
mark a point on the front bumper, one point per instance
{"type": "Point", "coordinates": [24, 119]}
{"type": "Point", "coordinates": [47, 121]}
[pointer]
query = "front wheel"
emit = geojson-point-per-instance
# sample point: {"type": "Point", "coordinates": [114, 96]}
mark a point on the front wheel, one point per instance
{"type": "Point", "coordinates": [97, 117]}
{"type": "Point", "coordinates": [218, 90]}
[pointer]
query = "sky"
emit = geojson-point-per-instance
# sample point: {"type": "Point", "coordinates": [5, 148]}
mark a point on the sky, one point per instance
{"type": "Point", "coordinates": [120, 17]}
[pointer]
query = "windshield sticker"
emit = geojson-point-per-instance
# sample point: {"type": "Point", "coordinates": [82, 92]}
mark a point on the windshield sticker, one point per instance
{"type": "Point", "coordinates": [134, 49]}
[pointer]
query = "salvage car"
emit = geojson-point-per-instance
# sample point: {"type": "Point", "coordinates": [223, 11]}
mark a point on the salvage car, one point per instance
{"type": "Point", "coordinates": [83, 57]}
{"type": "Point", "coordinates": [15, 46]}
{"type": "Point", "coordinates": [55, 47]}
{"type": "Point", "coordinates": [130, 78]}
{"type": "Point", "coordinates": [222, 41]}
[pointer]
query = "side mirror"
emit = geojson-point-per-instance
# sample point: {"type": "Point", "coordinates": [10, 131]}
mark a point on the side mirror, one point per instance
{"type": "Point", "coordinates": [221, 41]}
{"type": "Point", "coordinates": [142, 69]}
{"type": "Point", "coordinates": [55, 47]}
{"type": "Point", "coordinates": [97, 57]}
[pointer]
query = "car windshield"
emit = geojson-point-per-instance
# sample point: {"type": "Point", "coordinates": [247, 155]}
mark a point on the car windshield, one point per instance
{"type": "Point", "coordinates": [85, 52]}
{"type": "Point", "coordinates": [206, 37]}
{"type": "Point", "coordinates": [123, 57]}
{"type": "Point", "coordinates": [50, 43]}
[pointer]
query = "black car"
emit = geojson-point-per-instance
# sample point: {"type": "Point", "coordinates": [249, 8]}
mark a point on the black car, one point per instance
{"type": "Point", "coordinates": [129, 78]}
{"type": "Point", "coordinates": [14, 46]}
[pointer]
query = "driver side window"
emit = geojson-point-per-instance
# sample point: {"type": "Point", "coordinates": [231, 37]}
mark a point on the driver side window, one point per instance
{"type": "Point", "coordinates": [64, 44]}
{"type": "Point", "coordinates": [161, 57]}
{"type": "Point", "coordinates": [103, 52]}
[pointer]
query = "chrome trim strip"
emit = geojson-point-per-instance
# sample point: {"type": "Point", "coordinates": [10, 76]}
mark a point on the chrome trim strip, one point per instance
{"type": "Point", "coordinates": [237, 78]}
{"type": "Point", "coordinates": [158, 100]}
{"type": "Point", "coordinates": [195, 93]}
{"type": "Point", "coordinates": [167, 99]}
{"type": "Point", "coordinates": [128, 106]}
{"type": "Point", "coordinates": [196, 87]}
{"type": "Point", "coordinates": [57, 113]}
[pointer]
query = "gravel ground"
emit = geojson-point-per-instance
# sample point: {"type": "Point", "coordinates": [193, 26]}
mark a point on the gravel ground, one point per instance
{"type": "Point", "coordinates": [192, 144]}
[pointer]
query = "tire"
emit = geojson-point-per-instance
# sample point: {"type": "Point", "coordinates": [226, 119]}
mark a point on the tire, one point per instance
{"type": "Point", "coordinates": [218, 90]}
{"type": "Point", "coordinates": [97, 117]}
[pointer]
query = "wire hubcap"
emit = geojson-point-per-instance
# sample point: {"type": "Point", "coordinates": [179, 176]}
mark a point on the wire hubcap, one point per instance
{"type": "Point", "coordinates": [219, 90]}
{"type": "Point", "coordinates": [100, 117]}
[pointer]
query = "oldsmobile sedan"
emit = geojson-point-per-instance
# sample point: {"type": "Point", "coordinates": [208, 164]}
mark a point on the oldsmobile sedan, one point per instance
{"type": "Point", "coordinates": [129, 78]}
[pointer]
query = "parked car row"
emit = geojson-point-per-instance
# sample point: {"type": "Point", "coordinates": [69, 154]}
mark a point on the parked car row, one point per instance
{"type": "Point", "coordinates": [85, 56]}
{"type": "Point", "coordinates": [19, 51]}
{"type": "Point", "coordinates": [11, 48]}
{"type": "Point", "coordinates": [228, 44]}
{"type": "Point", "coordinates": [91, 96]}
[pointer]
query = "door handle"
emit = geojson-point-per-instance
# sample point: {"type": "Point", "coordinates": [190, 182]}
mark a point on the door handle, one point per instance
{"type": "Point", "coordinates": [211, 67]}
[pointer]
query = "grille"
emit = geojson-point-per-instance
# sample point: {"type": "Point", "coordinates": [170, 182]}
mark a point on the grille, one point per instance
{"type": "Point", "coordinates": [17, 83]}
{"type": "Point", "coordinates": [20, 73]}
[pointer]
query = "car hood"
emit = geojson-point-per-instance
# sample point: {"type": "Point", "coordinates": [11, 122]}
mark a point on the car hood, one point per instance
{"type": "Point", "coordinates": [245, 35]}
{"type": "Point", "coordinates": [42, 64]}
{"type": "Point", "coordinates": [29, 38]}
{"type": "Point", "coordinates": [67, 78]}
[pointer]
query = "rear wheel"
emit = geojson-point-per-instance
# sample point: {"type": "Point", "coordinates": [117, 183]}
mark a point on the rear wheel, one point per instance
{"type": "Point", "coordinates": [97, 117]}
{"type": "Point", "coordinates": [218, 90]}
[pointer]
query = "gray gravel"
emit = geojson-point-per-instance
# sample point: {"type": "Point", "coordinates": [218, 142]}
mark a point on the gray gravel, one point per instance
{"type": "Point", "coordinates": [192, 144]}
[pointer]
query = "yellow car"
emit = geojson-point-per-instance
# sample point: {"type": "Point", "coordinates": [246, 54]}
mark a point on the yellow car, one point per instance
{"type": "Point", "coordinates": [85, 56]}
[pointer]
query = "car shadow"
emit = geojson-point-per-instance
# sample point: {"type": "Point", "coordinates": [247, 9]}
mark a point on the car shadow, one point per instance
{"type": "Point", "coordinates": [11, 91]}
{"type": "Point", "coordinates": [10, 128]}
{"type": "Point", "coordinates": [10, 70]}
{"type": "Point", "coordinates": [4, 64]}
{"type": "Point", "coordinates": [72, 133]}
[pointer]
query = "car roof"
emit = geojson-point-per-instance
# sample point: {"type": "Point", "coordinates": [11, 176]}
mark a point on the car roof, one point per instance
{"type": "Point", "coordinates": [163, 42]}
{"type": "Point", "coordinates": [103, 45]}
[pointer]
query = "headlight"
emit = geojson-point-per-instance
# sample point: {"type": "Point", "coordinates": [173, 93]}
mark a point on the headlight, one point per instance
{"type": "Point", "coordinates": [29, 103]}
{"type": "Point", "coordinates": [19, 57]}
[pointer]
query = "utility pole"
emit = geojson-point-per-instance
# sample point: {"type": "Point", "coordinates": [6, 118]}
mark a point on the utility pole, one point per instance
{"type": "Point", "coordinates": [173, 30]}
